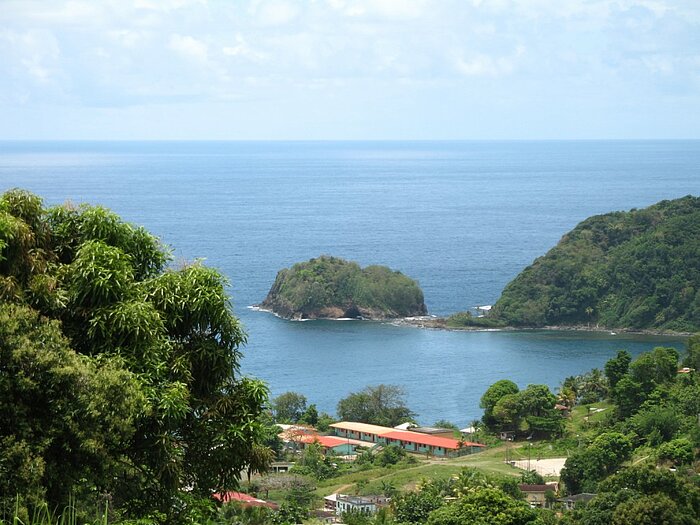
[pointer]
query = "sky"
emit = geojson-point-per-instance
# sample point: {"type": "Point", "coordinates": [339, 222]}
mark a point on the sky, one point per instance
{"type": "Point", "coordinates": [349, 69]}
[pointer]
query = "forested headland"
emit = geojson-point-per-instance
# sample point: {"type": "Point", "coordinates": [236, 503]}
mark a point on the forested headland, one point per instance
{"type": "Point", "coordinates": [331, 288]}
{"type": "Point", "coordinates": [630, 270]}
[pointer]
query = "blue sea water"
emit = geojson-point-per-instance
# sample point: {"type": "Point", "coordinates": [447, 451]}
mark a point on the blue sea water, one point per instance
{"type": "Point", "coordinates": [463, 218]}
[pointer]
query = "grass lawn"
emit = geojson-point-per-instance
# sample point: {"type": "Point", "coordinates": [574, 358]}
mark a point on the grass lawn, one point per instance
{"type": "Point", "coordinates": [403, 476]}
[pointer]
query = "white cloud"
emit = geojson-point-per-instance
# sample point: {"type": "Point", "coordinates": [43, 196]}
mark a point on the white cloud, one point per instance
{"type": "Point", "coordinates": [189, 47]}
{"type": "Point", "coordinates": [36, 51]}
{"type": "Point", "coordinates": [273, 12]}
{"type": "Point", "coordinates": [128, 52]}
{"type": "Point", "coordinates": [486, 65]}
{"type": "Point", "coordinates": [241, 49]}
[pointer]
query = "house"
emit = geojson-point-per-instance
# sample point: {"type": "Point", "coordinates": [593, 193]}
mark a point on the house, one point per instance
{"type": "Point", "coordinates": [507, 435]}
{"type": "Point", "coordinates": [245, 500]}
{"type": "Point", "coordinates": [339, 446]}
{"type": "Point", "coordinates": [406, 439]}
{"type": "Point", "coordinates": [564, 410]}
{"type": "Point", "coordinates": [281, 467]}
{"type": "Point", "coordinates": [340, 503]}
{"type": "Point", "coordinates": [482, 311]}
{"type": "Point", "coordinates": [535, 495]}
{"type": "Point", "coordinates": [297, 437]}
{"type": "Point", "coordinates": [570, 502]}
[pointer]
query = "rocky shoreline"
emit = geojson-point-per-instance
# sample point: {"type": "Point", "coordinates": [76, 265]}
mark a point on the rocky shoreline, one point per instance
{"type": "Point", "coordinates": [430, 322]}
{"type": "Point", "coordinates": [440, 323]}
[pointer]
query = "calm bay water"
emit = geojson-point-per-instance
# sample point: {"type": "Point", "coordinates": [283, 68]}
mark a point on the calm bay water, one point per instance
{"type": "Point", "coordinates": [463, 218]}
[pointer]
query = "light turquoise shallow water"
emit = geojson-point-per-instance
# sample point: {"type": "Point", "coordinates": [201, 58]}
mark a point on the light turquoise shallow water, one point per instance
{"type": "Point", "coordinates": [461, 217]}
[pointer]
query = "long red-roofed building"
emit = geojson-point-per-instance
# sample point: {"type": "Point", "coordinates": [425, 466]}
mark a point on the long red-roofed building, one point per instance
{"type": "Point", "coordinates": [406, 439]}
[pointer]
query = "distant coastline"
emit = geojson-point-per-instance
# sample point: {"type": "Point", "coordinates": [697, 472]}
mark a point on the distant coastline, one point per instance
{"type": "Point", "coordinates": [440, 323]}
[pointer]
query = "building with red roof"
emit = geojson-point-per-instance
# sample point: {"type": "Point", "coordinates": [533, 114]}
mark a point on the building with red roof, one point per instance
{"type": "Point", "coordinates": [410, 441]}
{"type": "Point", "coordinates": [245, 500]}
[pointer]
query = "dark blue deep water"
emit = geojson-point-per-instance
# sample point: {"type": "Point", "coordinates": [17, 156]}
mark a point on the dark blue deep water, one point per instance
{"type": "Point", "coordinates": [463, 218]}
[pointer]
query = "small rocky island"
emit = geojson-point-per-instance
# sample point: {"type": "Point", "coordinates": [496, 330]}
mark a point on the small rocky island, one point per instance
{"type": "Point", "coordinates": [333, 288]}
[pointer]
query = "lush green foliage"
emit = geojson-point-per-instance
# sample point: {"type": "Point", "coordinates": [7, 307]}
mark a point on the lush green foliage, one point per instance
{"type": "Point", "coordinates": [470, 497]}
{"type": "Point", "coordinates": [589, 387]}
{"type": "Point", "coordinates": [332, 287]}
{"type": "Point", "coordinates": [644, 495]}
{"type": "Point", "coordinates": [508, 408]}
{"type": "Point", "coordinates": [638, 269]}
{"type": "Point", "coordinates": [289, 407]}
{"type": "Point", "coordinates": [587, 466]}
{"type": "Point", "coordinates": [117, 376]}
{"type": "Point", "coordinates": [466, 320]}
{"type": "Point", "coordinates": [656, 408]}
{"type": "Point", "coordinates": [378, 405]}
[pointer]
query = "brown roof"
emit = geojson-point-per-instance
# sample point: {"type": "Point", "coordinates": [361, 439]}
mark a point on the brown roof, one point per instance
{"type": "Point", "coordinates": [534, 488]}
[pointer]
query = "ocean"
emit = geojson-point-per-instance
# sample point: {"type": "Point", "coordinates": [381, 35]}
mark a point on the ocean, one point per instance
{"type": "Point", "coordinates": [463, 218]}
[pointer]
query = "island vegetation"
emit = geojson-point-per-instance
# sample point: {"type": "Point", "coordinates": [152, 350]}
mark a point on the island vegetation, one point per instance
{"type": "Point", "coordinates": [332, 288]}
{"type": "Point", "coordinates": [638, 269]}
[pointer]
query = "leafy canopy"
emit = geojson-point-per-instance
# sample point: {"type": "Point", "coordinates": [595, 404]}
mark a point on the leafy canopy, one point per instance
{"type": "Point", "coordinates": [90, 306]}
{"type": "Point", "coordinates": [378, 405]}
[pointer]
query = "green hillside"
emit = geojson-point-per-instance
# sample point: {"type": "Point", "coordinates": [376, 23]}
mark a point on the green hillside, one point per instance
{"type": "Point", "coordinates": [638, 269]}
{"type": "Point", "coordinates": [329, 287]}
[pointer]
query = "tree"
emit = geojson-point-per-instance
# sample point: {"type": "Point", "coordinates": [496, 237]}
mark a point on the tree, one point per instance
{"type": "Point", "coordinates": [314, 462]}
{"type": "Point", "coordinates": [617, 367]}
{"type": "Point", "coordinates": [390, 455]}
{"type": "Point", "coordinates": [692, 357]}
{"type": "Point", "coordinates": [173, 330]}
{"type": "Point", "coordinates": [656, 424]}
{"type": "Point", "coordinates": [507, 413]}
{"type": "Point", "coordinates": [415, 507]}
{"type": "Point", "coordinates": [642, 494]}
{"type": "Point", "coordinates": [648, 510]}
{"type": "Point", "coordinates": [310, 416]}
{"type": "Point", "coordinates": [537, 408]}
{"type": "Point", "coordinates": [679, 451]}
{"type": "Point", "coordinates": [488, 506]}
{"type": "Point", "coordinates": [628, 396]}
{"type": "Point", "coordinates": [654, 368]}
{"type": "Point", "coordinates": [289, 407]}
{"type": "Point", "coordinates": [378, 405]}
{"type": "Point", "coordinates": [443, 423]}
{"type": "Point", "coordinates": [593, 387]}
{"type": "Point", "coordinates": [66, 418]}
{"type": "Point", "coordinates": [493, 395]}
{"type": "Point", "coordinates": [586, 467]}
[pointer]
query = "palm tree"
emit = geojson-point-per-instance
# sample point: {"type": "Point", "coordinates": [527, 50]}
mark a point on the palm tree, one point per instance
{"type": "Point", "coordinates": [261, 459]}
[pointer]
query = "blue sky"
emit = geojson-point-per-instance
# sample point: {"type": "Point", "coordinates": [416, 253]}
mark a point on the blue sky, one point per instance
{"type": "Point", "coordinates": [349, 69]}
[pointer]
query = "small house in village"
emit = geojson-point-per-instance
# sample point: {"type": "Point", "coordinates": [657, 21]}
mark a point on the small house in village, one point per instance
{"type": "Point", "coordinates": [570, 502]}
{"type": "Point", "coordinates": [535, 495]}
{"type": "Point", "coordinates": [340, 503]}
